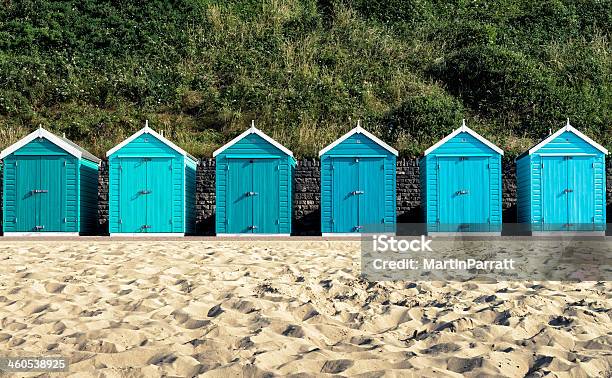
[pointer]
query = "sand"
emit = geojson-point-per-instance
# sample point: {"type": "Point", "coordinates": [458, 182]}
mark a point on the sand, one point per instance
{"type": "Point", "coordinates": [225, 309]}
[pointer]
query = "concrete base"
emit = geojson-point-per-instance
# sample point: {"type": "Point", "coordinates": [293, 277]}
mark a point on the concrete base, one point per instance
{"type": "Point", "coordinates": [253, 235]}
{"type": "Point", "coordinates": [147, 235]}
{"type": "Point", "coordinates": [40, 234]}
{"type": "Point", "coordinates": [567, 233]}
{"type": "Point", "coordinates": [463, 234]}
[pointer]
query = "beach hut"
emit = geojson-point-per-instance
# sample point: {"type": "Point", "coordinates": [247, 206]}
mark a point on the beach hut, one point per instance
{"type": "Point", "coordinates": [358, 185]}
{"type": "Point", "coordinates": [461, 188]}
{"type": "Point", "coordinates": [50, 187]}
{"type": "Point", "coordinates": [561, 183]}
{"type": "Point", "coordinates": [253, 186]}
{"type": "Point", "coordinates": [152, 185]}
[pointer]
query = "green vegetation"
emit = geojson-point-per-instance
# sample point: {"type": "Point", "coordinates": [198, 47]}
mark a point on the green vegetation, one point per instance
{"type": "Point", "coordinates": [305, 70]}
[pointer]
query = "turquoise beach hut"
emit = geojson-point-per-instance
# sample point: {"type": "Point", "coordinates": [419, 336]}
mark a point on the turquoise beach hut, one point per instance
{"type": "Point", "coordinates": [152, 185]}
{"type": "Point", "coordinates": [50, 187]}
{"type": "Point", "coordinates": [461, 188]}
{"type": "Point", "coordinates": [253, 186]}
{"type": "Point", "coordinates": [358, 194]}
{"type": "Point", "coordinates": [562, 183]}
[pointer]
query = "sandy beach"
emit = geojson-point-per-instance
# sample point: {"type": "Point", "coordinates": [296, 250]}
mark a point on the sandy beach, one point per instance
{"type": "Point", "coordinates": [227, 308]}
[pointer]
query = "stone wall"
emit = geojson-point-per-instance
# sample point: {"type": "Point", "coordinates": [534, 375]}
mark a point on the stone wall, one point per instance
{"type": "Point", "coordinates": [103, 198]}
{"type": "Point", "coordinates": [408, 191]}
{"type": "Point", "coordinates": [205, 197]}
{"type": "Point", "coordinates": [508, 190]}
{"type": "Point", "coordinates": [307, 197]}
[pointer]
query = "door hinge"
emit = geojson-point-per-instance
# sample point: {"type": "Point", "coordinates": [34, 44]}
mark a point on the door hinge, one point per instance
{"type": "Point", "coordinates": [542, 165]}
{"type": "Point", "coordinates": [65, 220]}
{"type": "Point", "coordinates": [332, 220]}
{"type": "Point", "coordinates": [277, 222]}
{"type": "Point", "coordinates": [16, 163]}
{"type": "Point", "coordinates": [120, 167]}
{"type": "Point", "coordinates": [120, 221]}
{"type": "Point", "coordinates": [65, 163]}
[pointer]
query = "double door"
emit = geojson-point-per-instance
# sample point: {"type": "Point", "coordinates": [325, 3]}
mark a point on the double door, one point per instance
{"type": "Point", "coordinates": [358, 194]}
{"type": "Point", "coordinates": [253, 196]}
{"type": "Point", "coordinates": [568, 200]}
{"type": "Point", "coordinates": [145, 195]}
{"type": "Point", "coordinates": [41, 194]}
{"type": "Point", "coordinates": [464, 198]}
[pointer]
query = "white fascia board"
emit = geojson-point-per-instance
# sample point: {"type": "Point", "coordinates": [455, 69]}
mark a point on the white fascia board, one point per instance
{"type": "Point", "coordinates": [41, 133]}
{"type": "Point", "coordinates": [150, 131]}
{"type": "Point", "coordinates": [571, 129]}
{"type": "Point", "coordinates": [358, 130]}
{"type": "Point", "coordinates": [253, 130]}
{"type": "Point", "coordinates": [464, 129]}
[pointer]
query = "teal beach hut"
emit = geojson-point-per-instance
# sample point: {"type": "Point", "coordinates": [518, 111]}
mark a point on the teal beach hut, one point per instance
{"type": "Point", "coordinates": [461, 189]}
{"type": "Point", "coordinates": [50, 187]}
{"type": "Point", "coordinates": [152, 185]}
{"type": "Point", "coordinates": [253, 186]}
{"type": "Point", "coordinates": [358, 179]}
{"type": "Point", "coordinates": [561, 184]}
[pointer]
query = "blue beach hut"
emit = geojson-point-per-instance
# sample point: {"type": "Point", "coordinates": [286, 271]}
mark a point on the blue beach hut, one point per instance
{"type": "Point", "coordinates": [358, 185]}
{"type": "Point", "coordinates": [152, 185]}
{"type": "Point", "coordinates": [561, 183]}
{"type": "Point", "coordinates": [461, 188]}
{"type": "Point", "coordinates": [253, 186]}
{"type": "Point", "coordinates": [50, 187]}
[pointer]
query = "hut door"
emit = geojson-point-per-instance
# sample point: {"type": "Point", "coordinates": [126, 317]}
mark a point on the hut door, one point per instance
{"type": "Point", "coordinates": [26, 178]}
{"type": "Point", "coordinates": [372, 198]}
{"type": "Point", "coordinates": [464, 195]}
{"type": "Point", "coordinates": [51, 199]}
{"type": "Point", "coordinates": [133, 206]}
{"type": "Point", "coordinates": [567, 193]}
{"type": "Point", "coordinates": [41, 191]}
{"type": "Point", "coordinates": [146, 199]}
{"type": "Point", "coordinates": [476, 199]}
{"type": "Point", "coordinates": [580, 193]}
{"type": "Point", "coordinates": [239, 185]}
{"type": "Point", "coordinates": [345, 195]}
{"type": "Point", "coordinates": [159, 197]}
{"type": "Point", "coordinates": [265, 198]}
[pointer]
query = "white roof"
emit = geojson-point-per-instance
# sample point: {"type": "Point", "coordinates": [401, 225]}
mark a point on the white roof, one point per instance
{"type": "Point", "coordinates": [464, 129]}
{"type": "Point", "coordinates": [150, 131]}
{"type": "Point", "coordinates": [253, 130]}
{"type": "Point", "coordinates": [359, 130]}
{"type": "Point", "coordinates": [570, 129]}
{"type": "Point", "coordinates": [65, 145]}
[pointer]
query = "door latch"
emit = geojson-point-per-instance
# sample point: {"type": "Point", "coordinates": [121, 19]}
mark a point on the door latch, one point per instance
{"type": "Point", "coordinates": [460, 192]}
{"type": "Point", "coordinates": [251, 194]}
{"type": "Point", "coordinates": [36, 191]}
{"type": "Point", "coordinates": [146, 226]}
{"type": "Point", "coordinates": [38, 228]}
{"type": "Point", "coordinates": [253, 227]}
{"type": "Point", "coordinates": [145, 192]}
{"type": "Point", "coordinates": [357, 192]}
{"type": "Point", "coordinates": [568, 190]}
{"type": "Point", "coordinates": [357, 228]}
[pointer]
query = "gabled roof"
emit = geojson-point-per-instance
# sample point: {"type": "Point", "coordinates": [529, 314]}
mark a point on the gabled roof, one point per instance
{"type": "Point", "coordinates": [61, 142]}
{"type": "Point", "coordinates": [253, 130]}
{"type": "Point", "coordinates": [551, 137]}
{"type": "Point", "coordinates": [464, 129]}
{"type": "Point", "coordinates": [358, 130]}
{"type": "Point", "coordinates": [150, 131]}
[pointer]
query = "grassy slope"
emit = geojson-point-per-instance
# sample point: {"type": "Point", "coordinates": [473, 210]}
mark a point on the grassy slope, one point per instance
{"type": "Point", "coordinates": [305, 70]}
